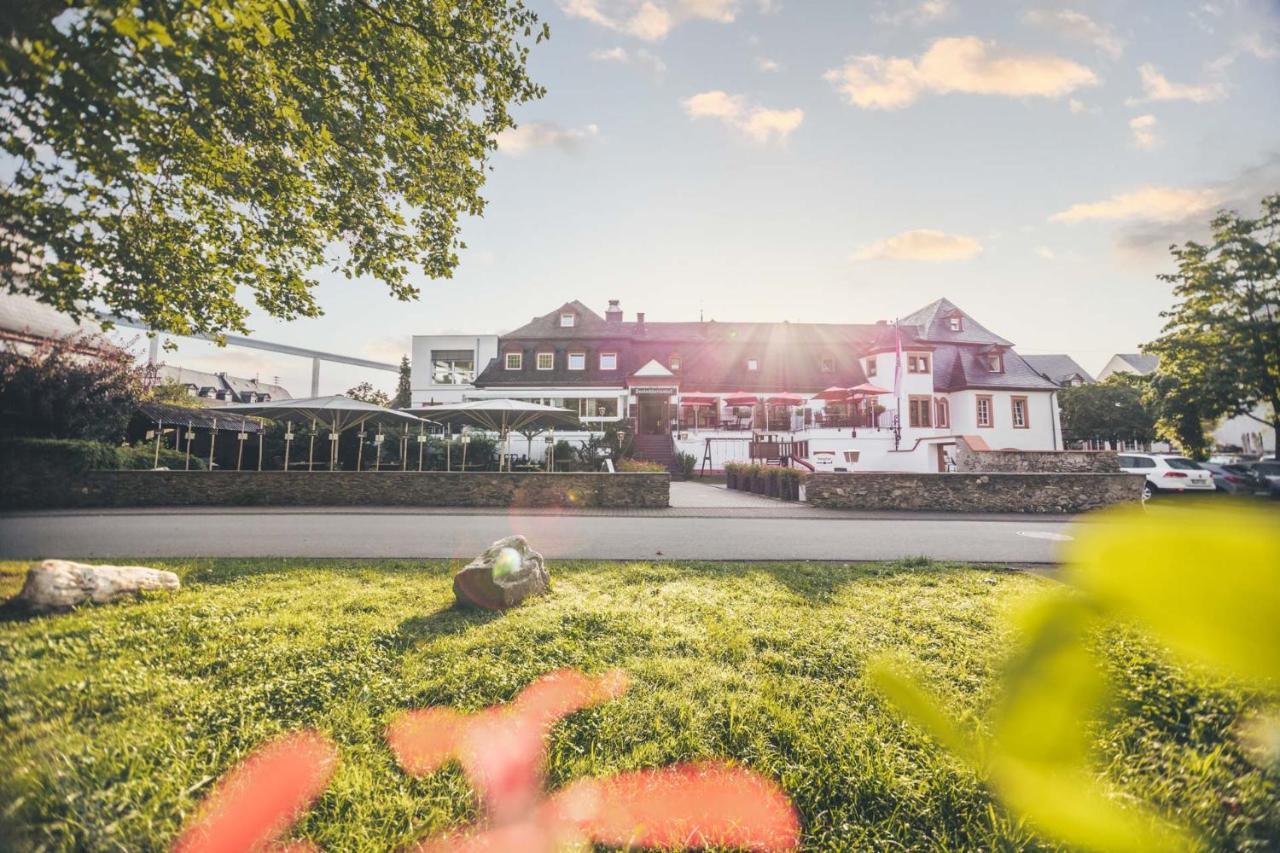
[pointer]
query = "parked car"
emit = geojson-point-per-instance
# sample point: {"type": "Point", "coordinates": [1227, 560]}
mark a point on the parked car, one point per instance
{"type": "Point", "coordinates": [1231, 479]}
{"type": "Point", "coordinates": [1266, 474]}
{"type": "Point", "coordinates": [1167, 474]}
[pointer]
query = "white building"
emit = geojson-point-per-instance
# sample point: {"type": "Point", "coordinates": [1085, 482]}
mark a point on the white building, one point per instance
{"type": "Point", "coordinates": [709, 388]}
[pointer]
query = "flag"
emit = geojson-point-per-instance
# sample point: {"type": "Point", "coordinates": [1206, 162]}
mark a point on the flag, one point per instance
{"type": "Point", "coordinates": [897, 361]}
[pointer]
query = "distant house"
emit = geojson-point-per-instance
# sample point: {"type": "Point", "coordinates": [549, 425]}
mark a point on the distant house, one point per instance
{"type": "Point", "coordinates": [1062, 370]}
{"type": "Point", "coordinates": [220, 389]}
{"type": "Point", "coordinates": [1135, 363]}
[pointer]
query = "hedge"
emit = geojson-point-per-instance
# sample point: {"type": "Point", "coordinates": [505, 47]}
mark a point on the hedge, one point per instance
{"type": "Point", "coordinates": [27, 463]}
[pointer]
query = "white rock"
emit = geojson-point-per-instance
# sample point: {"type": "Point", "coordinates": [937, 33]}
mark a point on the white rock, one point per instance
{"type": "Point", "coordinates": [62, 584]}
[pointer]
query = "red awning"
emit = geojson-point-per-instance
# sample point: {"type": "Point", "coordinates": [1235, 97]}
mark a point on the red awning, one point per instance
{"type": "Point", "coordinates": [697, 400]}
{"type": "Point", "coordinates": [835, 394]}
{"type": "Point", "coordinates": [787, 400]}
{"type": "Point", "coordinates": [741, 400]}
{"type": "Point", "coordinates": [869, 389]}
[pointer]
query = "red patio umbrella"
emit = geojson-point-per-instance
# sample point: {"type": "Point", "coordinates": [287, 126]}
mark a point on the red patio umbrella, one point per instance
{"type": "Point", "coordinates": [741, 399]}
{"type": "Point", "coordinates": [697, 400]}
{"type": "Point", "coordinates": [869, 389]}
{"type": "Point", "coordinates": [787, 400]}
{"type": "Point", "coordinates": [834, 394]}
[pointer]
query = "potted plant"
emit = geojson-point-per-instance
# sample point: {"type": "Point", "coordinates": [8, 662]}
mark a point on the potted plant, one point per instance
{"type": "Point", "coordinates": [773, 478]}
{"type": "Point", "coordinates": [731, 474]}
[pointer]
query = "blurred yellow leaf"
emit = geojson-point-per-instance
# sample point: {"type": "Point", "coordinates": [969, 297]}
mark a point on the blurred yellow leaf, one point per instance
{"type": "Point", "coordinates": [1205, 581]}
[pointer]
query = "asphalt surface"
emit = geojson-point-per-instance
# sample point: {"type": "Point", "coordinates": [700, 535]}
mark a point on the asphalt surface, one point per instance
{"type": "Point", "coordinates": [774, 532]}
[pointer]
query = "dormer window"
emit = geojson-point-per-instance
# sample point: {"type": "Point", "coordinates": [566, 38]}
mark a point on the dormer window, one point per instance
{"type": "Point", "coordinates": [674, 363]}
{"type": "Point", "coordinates": [828, 364]}
{"type": "Point", "coordinates": [871, 367]}
{"type": "Point", "coordinates": [918, 363]}
{"type": "Point", "coordinates": [956, 323]}
{"type": "Point", "coordinates": [513, 361]}
{"type": "Point", "coordinates": [577, 361]}
{"type": "Point", "coordinates": [993, 361]}
{"type": "Point", "coordinates": [608, 361]}
{"type": "Point", "coordinates": [546, 361]}
{"type": "Point", "coordinates": [753, 364]}
{"type": "Point", "coordinates": [567, 320]}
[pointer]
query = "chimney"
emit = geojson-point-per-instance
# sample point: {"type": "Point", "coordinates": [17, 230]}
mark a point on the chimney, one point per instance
{"type": "Point", "coordinates": [639, 322]}
{"type": "Point", "coordinates": [614, 313]}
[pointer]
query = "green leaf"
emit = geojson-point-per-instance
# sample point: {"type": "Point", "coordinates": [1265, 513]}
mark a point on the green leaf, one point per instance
{"type": "Point", "coordinates": [1206, 583]}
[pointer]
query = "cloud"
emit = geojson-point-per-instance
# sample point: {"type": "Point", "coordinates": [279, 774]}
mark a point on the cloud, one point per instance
{"type": "Point", "coordinates": [1077, 106]}
{"type": "Point", "coordinates": [965, 64]}
{"type": "Point", "coordinates": [1157, 87]}
{"type": "Point", "coordinates": [922, 244]}
{"type": "Point", "coordinates": [756, 123]}
{"type": "Point", "coordinates": [1078, 26]}
{"type": "Point", "coordinates": [516, 141]}
{"type": "Point", "coordinates": [768, 65]}
{"type": "Point", "coordinates": [649, 20]}
{"type": "Point", "coordinates": [1252, 45]}
{"type": "Point", "coordinates": [1150, 238]}
{"type": "Point", "coordinates": [1045, 252]}
{"type": "Point", "coordinates": [1151, 204]}
{"type": "Point", "coordinates": [639, 56]}
{"type": "Point", "coordinates": [1144, 132]}
{"type": "Point", "coordinates": [916, 14]}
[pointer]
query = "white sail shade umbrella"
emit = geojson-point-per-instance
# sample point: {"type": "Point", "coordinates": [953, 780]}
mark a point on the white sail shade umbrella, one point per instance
{"type": "Point", "coordinates": [336, 412]}
{"type": "Point", "coordinates": [500, 416]}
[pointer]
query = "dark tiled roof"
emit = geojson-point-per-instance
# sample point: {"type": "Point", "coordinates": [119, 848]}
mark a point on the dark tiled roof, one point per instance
{"type": "Point", "coordinates": [1058, 368]}
{"type": "Point", "coordinates": [933, 320]}
{"type": "Point", "coordinates": [959, 367]}
{"type": "Point", "coordinates": [199, 418]}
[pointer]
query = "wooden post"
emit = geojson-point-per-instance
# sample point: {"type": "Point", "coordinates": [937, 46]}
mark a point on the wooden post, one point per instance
{"type": "Point", "coordinates": [190, 435]}
{"type": "Point", "coordinates": [404, 449]}
{"type": "Point", "coordinates": [360, 436]}
{"type": "Point", "coordinates": [288, 442]}
{"type": "Point", "coordinates": [377, 450]}
{"type": "Point", "coordinates": [311, 454]}
{"type": "Point", "coordinates": [213, 439]}
{"type": "Point", "coordinates": [261, 430]}
{"type": "Point", "coordinates": [240, 441]}
{"type": "Point", "coordinates": [159, 433]}
{"type": "Point", "coordinates": [422, 445]}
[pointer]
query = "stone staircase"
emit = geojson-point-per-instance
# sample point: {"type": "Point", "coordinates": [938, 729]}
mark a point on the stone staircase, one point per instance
{"type": "Point", "coordinates": [656, 448]}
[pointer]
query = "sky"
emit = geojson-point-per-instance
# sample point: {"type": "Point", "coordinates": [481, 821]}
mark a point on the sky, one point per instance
{"type": "Point", "coordinates": [767, 160]}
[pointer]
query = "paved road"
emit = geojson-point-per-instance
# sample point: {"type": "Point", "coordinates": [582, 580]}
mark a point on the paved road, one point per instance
{"type": "Point", "coordinates": [775, 532]}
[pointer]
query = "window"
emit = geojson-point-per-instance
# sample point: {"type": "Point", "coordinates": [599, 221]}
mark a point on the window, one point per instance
{"type": "Point", "coordinates": [597, 407]}
{"type": "Point", "coordinates": [452, 367]}
{"type": "Point", "coordinates": [1019, 405]}
{"type": "Point", "coordinates": [919, 410]}
{"type": "Point", "coordinates": [514, 361]}
{"type": "Point", "coordinates": [1143, 462]}
{"type": "Point", "coordinates": [546, 361]}
{"type": "Point", "coordinates": [674, 363]}
{"type": "Point", "coordinates": [871, 367]}
{"type": "Point", "coordinates": [567, 320]}
{"type": "Point", "coordinates": [993, 361]}
{"type": "Point", "coordinates": [943, 407]}
{"type": "Point", "coordinates": [983, 409]}
{"type": "Point", "coordinates": [828, 364]}
{"type": "Point", "coordinates": [917, 363]}
{"type": "Point", "coordinates": [577, 361]}
{"type": "Point", "coordinates": [956, 324]}
{"type": "Point", "coordinates": [1180, 464]}
{"type": "Point", "coordinates": [608, 361]}
{"type": "Point", "coordinates": [753, 364]}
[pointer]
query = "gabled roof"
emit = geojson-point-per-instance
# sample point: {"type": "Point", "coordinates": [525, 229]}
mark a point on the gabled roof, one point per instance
{"type": "Point", "coordinates": [1141, 363]}
{"type": "Point", "coordinates": [652, 368]}
{"type": "Point", "coordinates": [588, 324]}
{"type": "Point", "coordinates": [1059, 368]}
{"type": "Point", "coordinates": [956, 368]}
{"type": "Point", "coordinates": [933, 320]}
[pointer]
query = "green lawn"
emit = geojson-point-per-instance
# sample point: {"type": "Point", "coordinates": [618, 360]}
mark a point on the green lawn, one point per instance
{"type": "Point", "coordinates": [115, 720]}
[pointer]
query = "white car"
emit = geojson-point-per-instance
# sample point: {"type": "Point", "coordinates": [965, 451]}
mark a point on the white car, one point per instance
{"type": "Point", "coordinates": [1167, 473]}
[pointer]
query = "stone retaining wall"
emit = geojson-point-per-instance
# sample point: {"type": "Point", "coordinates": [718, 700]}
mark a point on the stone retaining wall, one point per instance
{"type": "Point", "coordinates": [347, 488]}
{"type": "Point", "coordinates": [999, 492]}
{"type": "Point", "coordinates": [1036, 461]}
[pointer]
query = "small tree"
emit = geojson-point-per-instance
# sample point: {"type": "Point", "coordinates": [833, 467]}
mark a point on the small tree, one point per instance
{"type": "Point", "coordinates": [78, 386]}
{"type": "Point", "coordinates": [1220, 350]}
{"type": "Point", "coordinates": [1181, 413]}
{"type": "Point", "coordinates": [366, 393]}
{"type": "Point", "coordinates": [1113, 411]}
{"type": "Point", "coordinates": [404, 389]}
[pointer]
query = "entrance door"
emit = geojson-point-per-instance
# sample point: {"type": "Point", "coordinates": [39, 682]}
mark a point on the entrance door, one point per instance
{"type": "Point", "coordinates": [653, 415]}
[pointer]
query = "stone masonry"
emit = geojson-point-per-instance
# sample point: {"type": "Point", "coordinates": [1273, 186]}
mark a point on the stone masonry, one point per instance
{"type": "Point", "coordinates": [986, 492]}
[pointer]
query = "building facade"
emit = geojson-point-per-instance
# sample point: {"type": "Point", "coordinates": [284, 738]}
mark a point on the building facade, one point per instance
{"type": "Point", "coordinates": [916, 385]}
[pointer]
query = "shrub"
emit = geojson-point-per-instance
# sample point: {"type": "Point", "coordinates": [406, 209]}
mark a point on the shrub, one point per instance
{"type": "Point", "coordinates": [639, 466]}
{"type": "Point", "coordinates": [688, 463]}
{"type": "Point", "coordinates": [29, 465]}
{"type": "Point", "coordinates": [78, 386]}
{"type": "Point", "coordinates": [789, 480]}
{"type": "Point", "coordinates": [735, 475]}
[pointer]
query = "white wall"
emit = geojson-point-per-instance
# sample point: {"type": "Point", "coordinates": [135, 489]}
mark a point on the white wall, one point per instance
{"type": "Point", "coordinates": [1243, 431]}
{"type": "Point", "coordinates": [482, 347]}
{"type": "Point", "coordinates": [1044, 432]}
